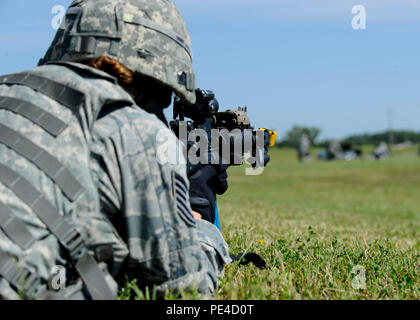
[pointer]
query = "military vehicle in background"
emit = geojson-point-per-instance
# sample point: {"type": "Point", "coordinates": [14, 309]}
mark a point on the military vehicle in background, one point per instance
{"type": "Point", "coordinates": [340, 151]}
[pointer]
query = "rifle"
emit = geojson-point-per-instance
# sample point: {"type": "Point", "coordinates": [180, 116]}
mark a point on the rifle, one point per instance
{"type": "Point", "coordinates": [228, 130]}
{"type": "Point", "coordinates": [233, 132]}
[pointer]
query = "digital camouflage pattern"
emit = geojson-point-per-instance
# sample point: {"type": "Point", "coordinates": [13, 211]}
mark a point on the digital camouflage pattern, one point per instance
{"type": "Point", "coordinates": [71, 148]}
{"type": "Point", "coordinates": [134, 186]}
{"type": "Point", "coordinates": [114, 159]}
{"type": "Point", "coordinates": [149, 37]}
{"type": "Point", "coordinates": [109, 145]}
{"type": "Point", "coordinates": [335, 150]}
{"type": "Point", "coordinates": [304, 148]}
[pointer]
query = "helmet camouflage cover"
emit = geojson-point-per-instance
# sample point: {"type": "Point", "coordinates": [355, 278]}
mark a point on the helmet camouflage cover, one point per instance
{"type": "Point", "coordinates": [149, 37]}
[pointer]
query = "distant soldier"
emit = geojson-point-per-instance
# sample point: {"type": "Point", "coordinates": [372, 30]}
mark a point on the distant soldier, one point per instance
{"type": "Point", "coordinates": [382, 151]}
{"type": "Point", "coordinates": [335, 151]}
{"type": "Point", "coordinates": [304, 148]}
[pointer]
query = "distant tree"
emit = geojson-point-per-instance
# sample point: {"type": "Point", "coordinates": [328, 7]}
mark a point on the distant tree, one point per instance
{"type": "Point", "coordinates": [377, 138]}
{"type": "Point", "coordinates": [293, 136]}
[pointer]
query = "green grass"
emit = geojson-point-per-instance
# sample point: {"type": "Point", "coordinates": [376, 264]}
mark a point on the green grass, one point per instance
{"type": "Point", "coordinates": [315, 222]}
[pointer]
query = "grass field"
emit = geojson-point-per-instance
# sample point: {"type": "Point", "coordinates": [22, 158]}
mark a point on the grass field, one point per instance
{"type": "Point", "coordinates": [321, 226]}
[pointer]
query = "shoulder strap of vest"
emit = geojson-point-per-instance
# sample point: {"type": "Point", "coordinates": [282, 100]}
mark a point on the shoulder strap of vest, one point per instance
{"type": "Point", "coordinates": [15, 228]}
{"type": "Point", "coordinates": [21, 278]}
{"type": "Point", "coordinates": [44, 119]}
{"type": "Point", "coordinates": [43, 160]}
{"type": "Point", "coordinates": [62, 94]}
{"type": "Point", "coordinates": [67, 234]}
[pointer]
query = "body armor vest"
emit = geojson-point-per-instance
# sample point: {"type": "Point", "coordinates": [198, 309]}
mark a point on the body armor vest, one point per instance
{"type": "Point", "coordinates": [49, 205]}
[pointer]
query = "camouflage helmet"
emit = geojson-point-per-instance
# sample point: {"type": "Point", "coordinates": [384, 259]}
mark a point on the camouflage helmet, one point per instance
{"type": "Point", "coordinates": [149, 37]}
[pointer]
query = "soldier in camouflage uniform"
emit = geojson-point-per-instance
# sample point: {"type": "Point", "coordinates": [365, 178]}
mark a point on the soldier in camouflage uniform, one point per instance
{"type": "Point", "coordinates": [335, 150]}
{"type": "Point", "coordinates": [381, 152]}
{"type": "Point", "coordinates": [304, 148]}
{"type": "Point", "coordinates": [80, 184]}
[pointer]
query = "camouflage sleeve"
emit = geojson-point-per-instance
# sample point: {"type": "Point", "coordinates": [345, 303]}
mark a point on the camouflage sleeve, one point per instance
{"type": "Point", "coordinates": [147, 199]}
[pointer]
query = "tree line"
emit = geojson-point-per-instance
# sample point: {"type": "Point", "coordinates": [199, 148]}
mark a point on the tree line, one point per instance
{"type": "Point", "coordinates": [293, 137]}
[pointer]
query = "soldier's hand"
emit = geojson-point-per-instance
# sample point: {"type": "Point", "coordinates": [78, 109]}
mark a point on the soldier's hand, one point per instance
{"type": "Point", "coordinates": [197, 216]}
{"type": "Point", "coordinates": [205, 183]}
{"type": "Point", "coordinates": [220, 184]}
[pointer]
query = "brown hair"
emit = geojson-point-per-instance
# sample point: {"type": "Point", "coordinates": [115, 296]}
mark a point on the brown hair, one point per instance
{"type": "Point", "coordinates": [124, 75]}
{"type": "Point", "coordinates": [131, 81]}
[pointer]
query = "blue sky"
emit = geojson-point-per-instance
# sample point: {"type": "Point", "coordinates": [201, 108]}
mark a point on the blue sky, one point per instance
{"type": "Point", "coordinates": [290, 61]}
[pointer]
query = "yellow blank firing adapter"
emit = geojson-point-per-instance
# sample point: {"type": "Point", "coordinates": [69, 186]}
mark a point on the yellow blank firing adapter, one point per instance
{"type": "Point", "coordinates": [272, 135]}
